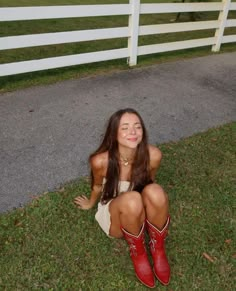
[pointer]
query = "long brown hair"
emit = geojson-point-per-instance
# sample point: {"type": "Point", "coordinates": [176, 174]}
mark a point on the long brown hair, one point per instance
{"type": "Point", "coordinates": [140, 174]}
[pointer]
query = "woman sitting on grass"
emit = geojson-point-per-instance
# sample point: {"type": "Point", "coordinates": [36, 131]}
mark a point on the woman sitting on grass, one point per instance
{"type": "Point", "coordinates": [123, 170]}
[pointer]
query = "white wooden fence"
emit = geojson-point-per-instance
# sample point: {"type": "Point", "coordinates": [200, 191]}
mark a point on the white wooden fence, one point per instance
{"type": "Point", "coordinates": [134, 9]}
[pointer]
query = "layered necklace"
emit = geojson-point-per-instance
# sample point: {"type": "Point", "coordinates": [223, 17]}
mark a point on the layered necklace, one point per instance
{"type": "Point", "coordinates": [126, 161]}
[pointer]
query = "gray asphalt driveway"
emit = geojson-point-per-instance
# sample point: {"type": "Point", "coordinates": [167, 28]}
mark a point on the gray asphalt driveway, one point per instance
{"type": "Point", "coordinates": [47, 132]}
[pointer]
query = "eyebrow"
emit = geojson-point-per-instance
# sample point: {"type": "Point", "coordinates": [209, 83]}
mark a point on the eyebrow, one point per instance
{"type": "Point", "coordinates": [126, 123]}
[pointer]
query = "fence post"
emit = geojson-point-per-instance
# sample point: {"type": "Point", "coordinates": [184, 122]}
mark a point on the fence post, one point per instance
{"type": "Point", "coordinates": [133, 31]}
{"type": "Point", "coordinates": [223, 15]}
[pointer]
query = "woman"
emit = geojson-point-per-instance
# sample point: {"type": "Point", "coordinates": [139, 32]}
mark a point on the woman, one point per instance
{"type": "Point", "coordinates": [123, 171]}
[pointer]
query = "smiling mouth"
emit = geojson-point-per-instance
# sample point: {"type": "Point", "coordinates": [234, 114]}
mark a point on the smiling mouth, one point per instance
{"type": "Point", "coordinates": [132, 139]}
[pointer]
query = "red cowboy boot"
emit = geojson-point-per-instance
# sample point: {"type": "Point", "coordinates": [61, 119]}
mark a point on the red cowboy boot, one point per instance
{"type": "Point", "coordinates": [157, 246]}
{"type": "Point", "coordinates": [139, 257]}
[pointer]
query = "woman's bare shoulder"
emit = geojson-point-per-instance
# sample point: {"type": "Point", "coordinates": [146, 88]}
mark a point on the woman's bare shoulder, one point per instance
{"type": "Point", "coordinates": [155, 153]}
{"type": "Point", "coordinates": [99, 161]}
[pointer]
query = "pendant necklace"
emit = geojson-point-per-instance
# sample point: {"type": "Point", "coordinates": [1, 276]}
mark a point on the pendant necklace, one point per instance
{"type": "Point", "coordinates": [125, 161]}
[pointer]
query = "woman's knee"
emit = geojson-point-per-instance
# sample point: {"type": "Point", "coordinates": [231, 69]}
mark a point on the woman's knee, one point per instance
{"type": "Point", "coordinates": [155, 194]}
{"type": "Point", "coordinates": [132, 203]}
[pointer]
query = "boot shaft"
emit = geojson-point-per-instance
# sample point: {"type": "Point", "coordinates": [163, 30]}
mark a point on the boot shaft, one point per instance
{"type": "Point", "coordinates": [136, 243]}
{"type": "Point", "coordinates": [157, 237]}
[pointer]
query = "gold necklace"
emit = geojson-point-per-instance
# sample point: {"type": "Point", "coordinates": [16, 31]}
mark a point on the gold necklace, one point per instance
{"type": "Point", "coordinates": [125, 161]}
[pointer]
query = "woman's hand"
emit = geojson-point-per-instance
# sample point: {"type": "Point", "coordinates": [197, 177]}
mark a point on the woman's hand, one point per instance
{"type": "Point", "coordinates": [83, 202]}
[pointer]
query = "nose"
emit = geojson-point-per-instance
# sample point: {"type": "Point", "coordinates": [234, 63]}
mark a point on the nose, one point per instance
{"type": "Point", "coordinates": [132, 130]}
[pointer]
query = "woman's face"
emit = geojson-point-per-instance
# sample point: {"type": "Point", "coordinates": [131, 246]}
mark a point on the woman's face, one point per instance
{"type": "Point", "coordinates": [130, 131]}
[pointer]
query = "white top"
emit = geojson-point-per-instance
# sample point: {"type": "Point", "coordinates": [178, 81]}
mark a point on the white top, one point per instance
{"type": "Point", "coordinates": [123, 185]}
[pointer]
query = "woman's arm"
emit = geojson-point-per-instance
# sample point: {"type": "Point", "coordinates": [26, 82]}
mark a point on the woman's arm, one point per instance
{"type": "Point", "coordinates": [155, 160]}
{"type": "Point", "coordinates": [97, 167]}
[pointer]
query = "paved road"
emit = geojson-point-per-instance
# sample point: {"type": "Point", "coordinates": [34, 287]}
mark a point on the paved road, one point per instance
{"type": "Point", "coordinates": [47, 132]}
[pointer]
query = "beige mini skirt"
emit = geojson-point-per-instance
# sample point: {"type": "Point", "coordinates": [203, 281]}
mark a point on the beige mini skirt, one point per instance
{"type": "Point", "coordinates": [102, 215]}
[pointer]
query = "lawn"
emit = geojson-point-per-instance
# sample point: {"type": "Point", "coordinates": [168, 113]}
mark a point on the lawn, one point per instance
{"type": "Point", "coordinates": [71, 24]}
{"type": "Point", "coordinates": [51, 245]}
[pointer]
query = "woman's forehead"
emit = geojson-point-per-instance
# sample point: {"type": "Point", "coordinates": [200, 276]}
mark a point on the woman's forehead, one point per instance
{"type": "Point", "coordinates": [129, 118]}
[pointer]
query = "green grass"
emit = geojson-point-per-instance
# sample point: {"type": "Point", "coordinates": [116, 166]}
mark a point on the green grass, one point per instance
{"type": "Point", "coordinates": [51, 245]}
{"type": "Point", "coordinates": [56, 25]}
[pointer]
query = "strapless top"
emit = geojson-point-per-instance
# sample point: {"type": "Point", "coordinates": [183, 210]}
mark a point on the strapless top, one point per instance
{"type": "Point", "coordinates": [123, 185]}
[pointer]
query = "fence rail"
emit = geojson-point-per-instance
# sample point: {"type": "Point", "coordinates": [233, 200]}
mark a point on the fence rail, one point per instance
{"type": "Point", "coordinates": [67, 11]}
{"type": "Point", "coordinates": [133, 30]}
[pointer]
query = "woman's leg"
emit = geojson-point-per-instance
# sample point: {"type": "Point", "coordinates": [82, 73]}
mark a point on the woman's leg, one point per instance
{"type": "Point", "coordinates": [126, 210]}
{"type": "Point", "coordinates": [156, 204]}
{"type": "Point", "coordinates": [157, 208]}
{"type": "Point", "coordinates": [128, 220]}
